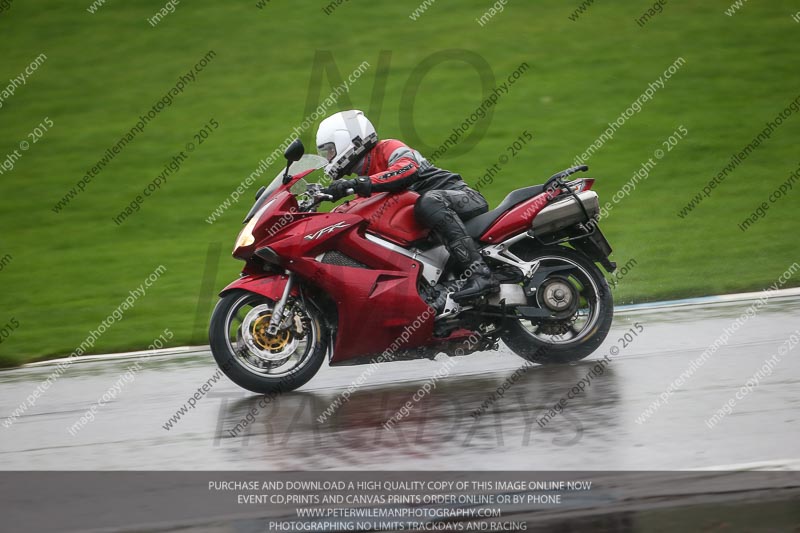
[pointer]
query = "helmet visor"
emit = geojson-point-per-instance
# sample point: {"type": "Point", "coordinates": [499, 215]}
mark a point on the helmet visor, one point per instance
{"type": "Point", "coordinates": [327, 150]}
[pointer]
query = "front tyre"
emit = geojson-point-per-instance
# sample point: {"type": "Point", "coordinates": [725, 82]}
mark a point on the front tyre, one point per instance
{"type": "Point", "coordinates": [260, 362]}
{"type": "Point", "coordinates": [573, 292]}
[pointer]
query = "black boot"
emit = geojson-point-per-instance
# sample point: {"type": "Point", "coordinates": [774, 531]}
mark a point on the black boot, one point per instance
{"type": "Point", "coordinates": [476, 279]}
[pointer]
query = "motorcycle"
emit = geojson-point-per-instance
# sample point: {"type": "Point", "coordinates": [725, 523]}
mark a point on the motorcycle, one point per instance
{"type": "Point", "coordinates": [366, 283]}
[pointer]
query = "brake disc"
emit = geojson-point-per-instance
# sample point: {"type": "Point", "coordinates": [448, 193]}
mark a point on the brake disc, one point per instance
{"type": "Point", "coordinates": [260, 343]}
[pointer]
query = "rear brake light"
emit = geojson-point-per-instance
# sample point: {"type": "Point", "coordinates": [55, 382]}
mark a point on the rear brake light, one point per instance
{"type": "Point", "coordinates": [582, 184]}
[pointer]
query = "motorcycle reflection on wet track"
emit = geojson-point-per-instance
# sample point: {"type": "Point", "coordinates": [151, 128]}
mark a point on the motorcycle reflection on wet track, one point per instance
{"type": "Point", "coordinates": [292, 431]}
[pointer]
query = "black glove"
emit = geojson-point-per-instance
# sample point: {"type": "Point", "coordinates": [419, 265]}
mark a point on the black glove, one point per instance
{"type": "Point", "coordinates": [338, 189]}
{"type": "Point", "coordinates": [362, 185]}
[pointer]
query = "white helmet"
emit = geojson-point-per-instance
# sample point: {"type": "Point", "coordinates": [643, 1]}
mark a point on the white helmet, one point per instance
{"type": "Point", "coordinates": [343, 139]}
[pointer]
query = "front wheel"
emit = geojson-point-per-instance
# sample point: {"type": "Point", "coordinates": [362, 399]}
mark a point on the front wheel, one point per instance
{"type": "Point", "coordinates": [572, 292]}
{"type": "Point", "coordinates": [256, 360]}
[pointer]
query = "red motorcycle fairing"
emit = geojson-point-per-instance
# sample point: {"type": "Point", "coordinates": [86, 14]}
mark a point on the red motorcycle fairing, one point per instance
{"type": "Point", "coordinates": [383, 279]}
{"type": "Point", "coordinates": [390, 215]}
{"type": "Point", "coordinates": [517, 219]}
{"type": "Point", "coordinates": [386, 282]}
{"type": "Point", "coordinates": [281, 211]}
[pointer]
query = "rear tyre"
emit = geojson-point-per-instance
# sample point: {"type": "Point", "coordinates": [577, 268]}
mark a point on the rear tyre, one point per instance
{"type": "Point", "coordinates": [572, 288]}
{"type": "Point", "coordinates": [260, 362]}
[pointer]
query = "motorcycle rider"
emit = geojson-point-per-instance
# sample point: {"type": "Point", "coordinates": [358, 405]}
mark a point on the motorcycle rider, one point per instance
{"type": "Point", "coordinates": [349, 142]}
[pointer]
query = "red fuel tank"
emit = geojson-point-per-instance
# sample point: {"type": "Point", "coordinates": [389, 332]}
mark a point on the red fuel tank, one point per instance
{"type": "Point", "coordinates": [390, 215]}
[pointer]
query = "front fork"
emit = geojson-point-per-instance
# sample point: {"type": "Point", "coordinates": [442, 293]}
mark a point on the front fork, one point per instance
{"type": "Point", "coordinates": [280, 305]}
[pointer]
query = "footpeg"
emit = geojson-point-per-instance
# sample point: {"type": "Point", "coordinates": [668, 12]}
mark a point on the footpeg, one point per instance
{"type": "Point", "coordinates": [451, 307]}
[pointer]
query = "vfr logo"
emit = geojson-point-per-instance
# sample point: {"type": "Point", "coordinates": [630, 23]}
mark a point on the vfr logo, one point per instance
{"type": "Point", "coordinates": [329, 229]}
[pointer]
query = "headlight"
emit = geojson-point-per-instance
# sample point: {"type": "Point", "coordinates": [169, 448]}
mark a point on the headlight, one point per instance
{"type": "Point", "coordinates": [246, 237]}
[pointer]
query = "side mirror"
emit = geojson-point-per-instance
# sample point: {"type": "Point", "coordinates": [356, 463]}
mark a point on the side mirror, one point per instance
{"type": "Point", "coordinates": [293, 153]}
{"type": "Point", "coordinates": [260, 192]}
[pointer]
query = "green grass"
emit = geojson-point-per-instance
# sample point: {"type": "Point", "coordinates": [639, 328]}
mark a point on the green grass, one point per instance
{"type": "Point", "coordinates": [71, 270]}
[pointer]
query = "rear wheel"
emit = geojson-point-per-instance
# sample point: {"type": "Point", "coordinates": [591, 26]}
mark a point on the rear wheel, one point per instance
{"type": "Point", "coordinates": [572, 292]}
{"type": "Point", "coordinates": [256, 360]}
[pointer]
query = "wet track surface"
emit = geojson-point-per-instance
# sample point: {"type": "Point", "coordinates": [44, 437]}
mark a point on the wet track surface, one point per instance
{"type": "Point", "coordinates": [597, 430]}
